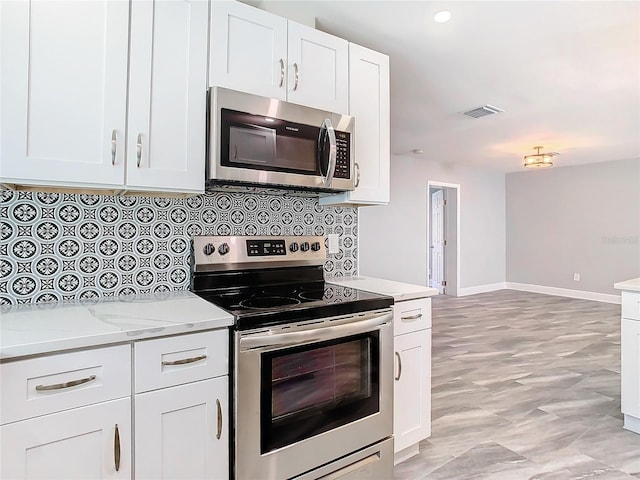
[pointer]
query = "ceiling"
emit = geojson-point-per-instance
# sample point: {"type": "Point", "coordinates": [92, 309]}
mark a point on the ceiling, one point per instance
{"type": "Point", "coordinates": [566, 73]}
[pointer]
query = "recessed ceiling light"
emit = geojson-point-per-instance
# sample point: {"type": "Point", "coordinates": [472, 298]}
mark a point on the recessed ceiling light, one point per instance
{"type": "Point", "coordinates": [442, 17]}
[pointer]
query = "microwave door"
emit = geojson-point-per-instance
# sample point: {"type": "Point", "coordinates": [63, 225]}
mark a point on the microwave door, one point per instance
{"type": "Point", "coordinates": [327, 152]}
{"type": "Point", "coordinates": [252, 145]}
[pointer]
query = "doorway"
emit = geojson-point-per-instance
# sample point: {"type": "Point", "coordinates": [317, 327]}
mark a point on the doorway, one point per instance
{"type": "Point", "coordinates": [443, 225]}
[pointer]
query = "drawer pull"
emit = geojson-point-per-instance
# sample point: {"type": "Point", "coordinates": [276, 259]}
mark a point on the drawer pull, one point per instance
{"type": "Point", "coordinates": [185, 360]}
{"type": "Point", "coordinates": [219, 407]}
{"type": "Point", "coordinates": [60, 386]}
{"type": "Point", "coordinates": [412, 317]}
{"type": "Point", "coordinates": [116, 449]}
{"type": "Point", "coordinates": [399, 366]}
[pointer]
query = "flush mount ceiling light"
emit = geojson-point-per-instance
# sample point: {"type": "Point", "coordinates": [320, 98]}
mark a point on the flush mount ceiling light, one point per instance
{"type": "Point", "coordinates": [539, 160]}
{"type": "Point", "coordinates": [442, 17]}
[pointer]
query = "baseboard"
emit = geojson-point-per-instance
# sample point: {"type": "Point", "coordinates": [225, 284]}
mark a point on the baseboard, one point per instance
{"type": "Point", "coordinates": [564, 292]}
{"type": "Point", "coordinates": [462, 292]}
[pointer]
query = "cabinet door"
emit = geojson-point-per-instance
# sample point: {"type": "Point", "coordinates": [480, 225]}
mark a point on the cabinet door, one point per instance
{"type": "Point", "coordinates": [412, 389]}
{"type": "Point", "coordinates": [630, 373]}
{"type": "Point", "coordinates": [76, 444]}
{"type": "Point", "coordinates": [318, 69]}
{"type": "Point", "coordinates": [64, 91]}
{"type": "Point", "coordinates": [248, 50]}
{"type": "Point", "coordinates": [369, 104]}
{"type": "Point", "coordinates": [167, 95]}
{"type": "Point", "coordinates": [182, 432]}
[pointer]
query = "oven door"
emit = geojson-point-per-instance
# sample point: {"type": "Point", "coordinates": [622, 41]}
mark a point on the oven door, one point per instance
{"type": "Point", "coordinates": [307, 394]}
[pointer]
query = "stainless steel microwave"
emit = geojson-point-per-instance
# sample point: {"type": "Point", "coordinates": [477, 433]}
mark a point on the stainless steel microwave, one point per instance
{"type": "Point", "coordinates": [256, 140]}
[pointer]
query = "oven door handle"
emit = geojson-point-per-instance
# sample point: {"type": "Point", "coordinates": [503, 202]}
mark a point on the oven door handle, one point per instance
{"type": "Point", "coordinates": [267, 340]}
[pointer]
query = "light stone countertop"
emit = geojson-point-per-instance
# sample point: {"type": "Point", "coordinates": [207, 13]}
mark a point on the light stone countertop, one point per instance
{"type": "Point", "coordinates": [632, 285]}
{"type": "Point", "coordinates": [398, 290]}
{"type": "Point", "coordinates": [43, 328]}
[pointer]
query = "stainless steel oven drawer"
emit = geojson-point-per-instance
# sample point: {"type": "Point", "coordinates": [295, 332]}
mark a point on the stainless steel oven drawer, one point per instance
{"type": "Point", "coordinates": [371, 463]}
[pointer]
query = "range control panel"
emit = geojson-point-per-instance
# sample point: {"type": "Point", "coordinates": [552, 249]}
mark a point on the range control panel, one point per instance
{"type": "Point", "coordinates": [235, 252]}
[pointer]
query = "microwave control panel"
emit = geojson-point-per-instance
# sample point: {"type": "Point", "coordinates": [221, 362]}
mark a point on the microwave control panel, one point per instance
{"type": "Point", "coordinates": [343, 142]}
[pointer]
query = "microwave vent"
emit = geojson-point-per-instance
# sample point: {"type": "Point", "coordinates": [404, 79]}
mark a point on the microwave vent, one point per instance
{"type": "Point", "coordinates": [483, 111]}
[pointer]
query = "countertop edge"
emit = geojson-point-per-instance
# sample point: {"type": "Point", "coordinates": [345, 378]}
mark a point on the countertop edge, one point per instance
{"type": "Point", "coordinates": [17, 352]}
{"type": "Point", "coordinates": [631, 285]}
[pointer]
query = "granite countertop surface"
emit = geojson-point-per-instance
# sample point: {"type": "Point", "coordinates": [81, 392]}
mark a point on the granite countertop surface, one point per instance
{"type": "Point", "coordinates": [398, 290]}
{"type": "Point", "coordinates": [43, 328]}
{"type": "Point", "coordinates": [632, 285]}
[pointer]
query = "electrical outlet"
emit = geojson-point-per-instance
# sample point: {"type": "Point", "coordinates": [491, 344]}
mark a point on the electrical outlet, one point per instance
{"type": "Point", "coordinates": [333, 243]}
{"type": "Point", "coordinates": [576, 277]}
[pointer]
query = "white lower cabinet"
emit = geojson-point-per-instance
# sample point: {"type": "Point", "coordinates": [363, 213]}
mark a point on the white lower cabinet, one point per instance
{"type": "Point", "coordinates": [412, 376]}
{"type": "Point", "coordinates": [181, 432]}
{"type": "Point", "coordinates": [630, 364]}
{"type": "Point", "coordinates": [92, 442]}
{"type": "Point", "coordinates": [181, 407]}
{"type": "Point", "coordinates": [69, 416]}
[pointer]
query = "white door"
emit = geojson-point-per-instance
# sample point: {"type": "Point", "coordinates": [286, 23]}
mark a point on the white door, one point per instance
{"type": "Point", "coordinates": [248, 50]}
{"type": "Point", "coordinates": [369, 103]}
{"type": "Point", "coordinates": [318, 69]}
{"type": "Point", "coordinates": [182, 432]}
{"type": "Point", "coordinates": [437, 240]}
{"type": "Point", "coordinates": [64, 92]}
{"type": "Point", "coordinates": [77, 444]}
{"type": "Point", "coordinates": [412, 388]}
{"type": "Point", "coordinates": [167, 95]}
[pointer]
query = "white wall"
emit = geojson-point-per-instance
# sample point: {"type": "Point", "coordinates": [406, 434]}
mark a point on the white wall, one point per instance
{"type": "Point", "coordinates": [393, 239]}
{"type": "Point", "coordinates": [583, 219]}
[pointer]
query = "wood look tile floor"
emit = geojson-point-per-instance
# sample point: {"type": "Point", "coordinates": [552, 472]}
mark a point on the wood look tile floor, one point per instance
{"type": "Point", "coordinates": [525, 386]}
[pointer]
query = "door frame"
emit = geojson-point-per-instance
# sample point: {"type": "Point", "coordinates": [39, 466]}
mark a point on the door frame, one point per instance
{"type": "Point", "coordinates": [453, 289]}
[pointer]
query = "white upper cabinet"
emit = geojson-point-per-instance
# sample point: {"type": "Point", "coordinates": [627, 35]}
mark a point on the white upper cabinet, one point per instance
{"type": "Point", "coordinates": [167, 95]}
{"type": "Point", "coordinates": [257, 52]}
{"type": "Point", "coordinates": [369, 104]}
{"type": "Point", "coordinates": [318, 69]}
{"type": "Point", "coordinates": [64, 92]}
{"type": "Point", "coordinates": [248, 50]}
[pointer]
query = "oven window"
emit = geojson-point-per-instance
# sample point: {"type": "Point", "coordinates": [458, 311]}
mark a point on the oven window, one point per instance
{"type": "Point", "coordinates": [318, 387]}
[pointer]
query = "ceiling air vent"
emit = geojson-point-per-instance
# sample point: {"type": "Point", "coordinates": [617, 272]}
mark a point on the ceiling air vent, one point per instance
{"type": "Point", "coordinates": [483, 111]}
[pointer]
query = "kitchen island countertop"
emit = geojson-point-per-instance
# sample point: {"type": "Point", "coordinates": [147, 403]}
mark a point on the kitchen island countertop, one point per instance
{"type": "Point", "coordinates": [398, 290]}
{"type": "Point", "coordinates": [50, 327]}
{"type": "Point", "coordinates": [632, 285]}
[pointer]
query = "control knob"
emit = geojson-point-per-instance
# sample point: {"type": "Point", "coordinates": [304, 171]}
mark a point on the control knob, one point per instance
{"type": "Point", "coordinates": [208, 249]}
{"type": "Point", "coordinates": [315, 246]}
{"type": "Point", "coordinates": [293, 246]}
{"type": "Point", "coordinates": [304, 246]}
{"type": "Point", "coordinates": [223, 249]}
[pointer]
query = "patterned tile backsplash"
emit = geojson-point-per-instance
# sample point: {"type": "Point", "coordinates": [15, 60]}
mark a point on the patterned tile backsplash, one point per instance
{"type": "Point", "coordinates": [67, 246]}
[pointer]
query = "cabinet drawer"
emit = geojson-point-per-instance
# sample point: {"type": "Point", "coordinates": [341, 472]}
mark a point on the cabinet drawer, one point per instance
{"type": "Point", "coordinates": [631, 305]}
{"type": "Point", "coordinates": [411, 315]}
{"type": "Point", "coordinates": [53, 383]}
{"type": "Point", "coordinates": [169, 361]}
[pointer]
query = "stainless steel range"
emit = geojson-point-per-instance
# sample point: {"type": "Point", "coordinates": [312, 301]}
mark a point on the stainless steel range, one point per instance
{"type": "Point", "coordinates": [312, 362]}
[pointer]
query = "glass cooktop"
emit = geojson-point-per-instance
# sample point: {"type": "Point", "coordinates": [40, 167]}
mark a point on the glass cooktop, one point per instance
{"type": "Point", "coordinates": [252, 306]}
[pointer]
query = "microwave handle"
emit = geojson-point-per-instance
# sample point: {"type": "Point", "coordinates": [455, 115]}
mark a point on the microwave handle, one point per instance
{"type": "Point", "coordinates": [333, 150]}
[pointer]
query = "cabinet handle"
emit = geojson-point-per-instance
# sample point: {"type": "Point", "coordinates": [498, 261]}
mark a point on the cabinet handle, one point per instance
{"type": "Point", "coordinates": [114, 146]}
{"type": "Point", "coordinates": [139, 149]}
{"type": "Point", "coordinates": [116, 449]}
{"type": "Point", "coordinates": [219, 407]}
{"type": "Point", "coordinates": [281, 72]}
{"type": "Point", "coordinates": [60, 386]}
{"type": "Point", "coordinates": [412, 317]}
{"type": "Point", "coordinates": [296, 76]}
{"type": "Point", "coordinates": [357, 175]}
{"type": "Point", "coordinates": [185, 360]}
{"type": "Point", "coordinates": [399, 366]}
